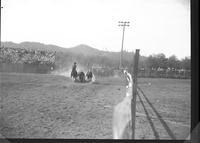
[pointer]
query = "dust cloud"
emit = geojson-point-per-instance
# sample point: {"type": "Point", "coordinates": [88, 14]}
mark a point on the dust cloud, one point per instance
{"type": "Point", "coordinates": [66, 71]}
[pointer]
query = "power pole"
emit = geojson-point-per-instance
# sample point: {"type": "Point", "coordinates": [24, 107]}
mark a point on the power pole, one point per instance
{"type": "Point", "coordinates": [123, 24]}
{"type": "Point", "coordinates": [0, 21]}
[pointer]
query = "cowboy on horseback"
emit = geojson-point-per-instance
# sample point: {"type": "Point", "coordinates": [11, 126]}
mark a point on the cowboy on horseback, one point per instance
{"type": "Point", "coordinates": [89, 75]}
{"type": "Point", "coordinates": [74, 71]}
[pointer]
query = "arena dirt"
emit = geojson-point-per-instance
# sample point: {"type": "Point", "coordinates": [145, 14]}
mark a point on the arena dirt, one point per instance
{"type": "Point", "coordinates": [50, 106]}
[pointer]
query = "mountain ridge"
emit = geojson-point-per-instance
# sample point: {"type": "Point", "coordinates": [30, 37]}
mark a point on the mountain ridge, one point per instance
{"type": "Point", "coordinates": [81, 49]}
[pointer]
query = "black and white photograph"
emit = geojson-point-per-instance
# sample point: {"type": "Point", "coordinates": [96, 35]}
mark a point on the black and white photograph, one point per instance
{"type": "Point", "coordinates": [95, 69]}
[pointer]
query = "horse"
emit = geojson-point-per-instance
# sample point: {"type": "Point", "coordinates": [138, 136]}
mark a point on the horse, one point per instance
{"type": "Point", "coordinates": [78, 76]}
{"type": "Point", "coordinates": [89, 76]}
{"type": "Point", "coordinates": [74, 74]}
{"type": "Point", "coordinates": [81, 76]}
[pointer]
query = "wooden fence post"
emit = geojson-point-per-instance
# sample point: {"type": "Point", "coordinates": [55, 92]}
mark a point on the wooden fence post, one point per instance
{"type": "Point", "coordinates": [133, 101]}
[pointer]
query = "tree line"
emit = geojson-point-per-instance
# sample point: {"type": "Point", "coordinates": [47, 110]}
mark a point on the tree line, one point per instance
{"type": "Point", "coordinates": [155, 64]}
{"type": "Point", "coordinates": [171, 63]}
{"type": "Point", "coordinates": [160, 66]}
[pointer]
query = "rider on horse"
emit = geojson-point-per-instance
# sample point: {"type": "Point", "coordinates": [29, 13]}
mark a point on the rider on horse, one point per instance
{"type": "Point", "coordinates": [74, 72]}
{"type": "Point", "coordinates": [89, 74]}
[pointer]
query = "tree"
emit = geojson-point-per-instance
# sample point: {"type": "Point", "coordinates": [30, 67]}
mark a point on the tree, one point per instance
{"type": "Point", "coordinates": [151, 62]}
{"type": "Point", "coordinates": [161, 61]}
{"type": "Point", "coordinates": [186, 63]}
{"type": "Point", "coordinates": [173, 62]}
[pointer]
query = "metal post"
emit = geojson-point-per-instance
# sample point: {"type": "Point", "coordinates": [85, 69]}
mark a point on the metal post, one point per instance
{"type": "Point", "coordinates": [133, 101]}
{"type": "Point", "coordinates": [124, 24]}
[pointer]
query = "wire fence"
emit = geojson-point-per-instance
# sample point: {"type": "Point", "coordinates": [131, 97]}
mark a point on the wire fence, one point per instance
{"type": "Point", "coordinates": [157, 125]}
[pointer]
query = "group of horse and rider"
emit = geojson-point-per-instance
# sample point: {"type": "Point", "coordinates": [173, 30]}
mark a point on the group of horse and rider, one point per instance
{"type": "Point", "coordinates": [81, 76]}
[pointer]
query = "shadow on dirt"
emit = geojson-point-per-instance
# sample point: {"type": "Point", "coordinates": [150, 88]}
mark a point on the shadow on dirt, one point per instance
{"type": "Point", "coordinates": [170, 133]}
{"type": "Point", "coordinates": [149, 118]}
{"type": "Point", "coordinates": [100, 83]}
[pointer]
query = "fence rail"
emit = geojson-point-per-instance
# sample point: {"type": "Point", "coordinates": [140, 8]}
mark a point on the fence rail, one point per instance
{"type": "Point", "coordinates": [185, 74]}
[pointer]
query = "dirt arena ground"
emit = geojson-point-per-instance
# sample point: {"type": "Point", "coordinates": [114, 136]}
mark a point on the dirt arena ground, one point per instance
{"type": "Point", "coordinates": [50, 106]}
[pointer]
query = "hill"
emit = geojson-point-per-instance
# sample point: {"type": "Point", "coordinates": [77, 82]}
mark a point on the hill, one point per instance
{"type": "Point", "coordinates": [33, 45]}
{"type": "Point", "coordinates": [82, 53]}
{"type": "Point", "coordinates": [81, 49]}
{"type": "Point", "coordinates": [85, 50]}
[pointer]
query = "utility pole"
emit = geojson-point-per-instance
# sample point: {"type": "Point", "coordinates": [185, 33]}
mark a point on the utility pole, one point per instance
{"type": "Point", "coordinates": [123, 24]}
{"type": "Point", "coordinates": [0, 21]}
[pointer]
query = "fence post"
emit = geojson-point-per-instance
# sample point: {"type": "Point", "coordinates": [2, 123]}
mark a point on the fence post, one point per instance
{"type": "Point", "coordinates": [133, 101]}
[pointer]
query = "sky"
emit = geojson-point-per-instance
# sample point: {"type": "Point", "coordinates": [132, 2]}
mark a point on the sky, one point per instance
{"type": "Point", "coordinates": [156, 26]}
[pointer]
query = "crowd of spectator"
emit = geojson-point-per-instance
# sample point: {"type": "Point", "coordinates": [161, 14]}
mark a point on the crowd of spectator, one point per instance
{"type": "Point", "coordinates": [26, 56]}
